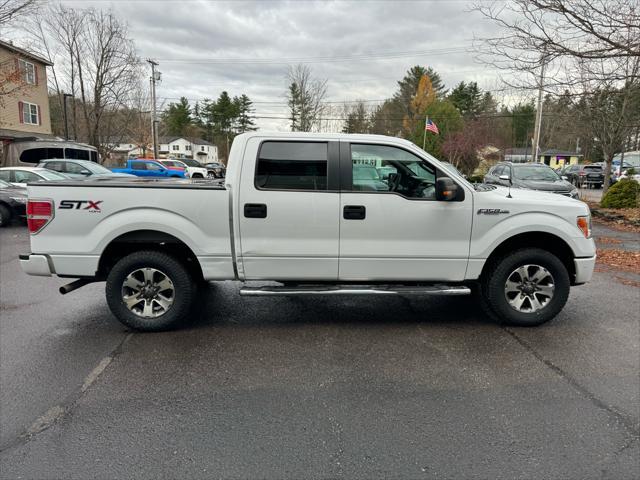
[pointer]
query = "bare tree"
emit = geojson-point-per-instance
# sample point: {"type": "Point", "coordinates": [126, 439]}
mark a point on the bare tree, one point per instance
{"type": "Point", "coordinates": [305, 96]}
{"type": "Point", "coordinates": [561, 33]}
{"type": "Point", "coordinates": [95, 61]}
{"type": "Point", "coordinates": [12, 10]}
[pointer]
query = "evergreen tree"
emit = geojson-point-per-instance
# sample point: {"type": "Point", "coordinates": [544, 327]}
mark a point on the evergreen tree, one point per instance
{"type": "Point", "coordinates": [245, 121]}
{"type": "Point", "coordinates": [467, 98]}
{"type": "Point", "coordinates": [523, 121]}
{"type": "Point", "coordinates": [177, 117]}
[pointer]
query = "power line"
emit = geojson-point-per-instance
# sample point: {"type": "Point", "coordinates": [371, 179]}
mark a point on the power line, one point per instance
{"type": "Point", "coordinates": [320, 59]}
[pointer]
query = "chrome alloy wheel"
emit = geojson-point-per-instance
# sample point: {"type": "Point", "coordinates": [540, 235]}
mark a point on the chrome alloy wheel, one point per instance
{"type": "Point", "coordinates": [148, 292]}
{"type": "Point", "coordinates": [529, 288]}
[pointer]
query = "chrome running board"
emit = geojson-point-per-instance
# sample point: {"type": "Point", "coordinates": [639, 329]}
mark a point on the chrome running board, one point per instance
{"type": "Point", "coordinates": [355, 290]}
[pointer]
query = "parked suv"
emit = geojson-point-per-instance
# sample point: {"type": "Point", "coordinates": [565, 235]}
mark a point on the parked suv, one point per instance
{"type": "Point", "coordinates": [79, 168]}
{"type": "Point", "coordinates": [529, 176]}
{"type": "Point", "coordinates": [585, 175]}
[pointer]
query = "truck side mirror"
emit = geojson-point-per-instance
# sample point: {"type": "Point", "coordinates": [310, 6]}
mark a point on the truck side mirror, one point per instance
{"type": "Point", "coordinates": [506, 178]}
{"type": "Point", "coordinates": [446, 189]}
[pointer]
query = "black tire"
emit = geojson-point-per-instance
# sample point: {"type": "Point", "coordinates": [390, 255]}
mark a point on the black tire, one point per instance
{"type": "Point", "coordinates": [5, 216]}
{"type": "Point", "coordinates": [197, 175]}
{"type": "Point", "coordinates": [184, 291]}
{"type": "Point", "coordinates": [494, 279]}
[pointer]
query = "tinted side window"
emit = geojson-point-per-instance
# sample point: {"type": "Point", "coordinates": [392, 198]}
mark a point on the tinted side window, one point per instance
{"type": "Point", "coordinates": [292, 166]}
{"type": "Point", "coordinates": [138, 165]}
{"type": "Point", "coordinates": [6, 175]}
{"type": "Point", "coordinates": [74, 168]}
{"type": "Point", "coordinates": [76, 154]}
{"type": "Point", "coordinates": [382, 168]}
{"type": "Point", "coordinates": [35, 155]}
{"type": "Point", "coordinates": [57, 166]}
{"type": "Point", "coordinates": [497, 171]}
{"type": "Point", "coordinates": [153, 166]}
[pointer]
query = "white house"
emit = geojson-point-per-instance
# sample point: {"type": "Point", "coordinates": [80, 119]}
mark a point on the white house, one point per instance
{"type": "Point", "coordinates": [181, 147]}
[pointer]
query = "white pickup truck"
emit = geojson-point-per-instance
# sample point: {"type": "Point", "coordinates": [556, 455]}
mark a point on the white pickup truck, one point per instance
{"type": "Point", "coordinates": [317, 214]}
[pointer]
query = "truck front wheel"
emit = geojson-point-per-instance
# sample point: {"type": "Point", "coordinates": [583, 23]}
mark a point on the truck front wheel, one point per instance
{"type": "Point", "coordinates": [150, 291]}
{"type": "Point", "coordinates": [527, 287]}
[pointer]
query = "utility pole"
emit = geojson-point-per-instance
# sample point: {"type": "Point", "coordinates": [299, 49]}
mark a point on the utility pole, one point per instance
{"type": "Point", "coordinates": [155, 76]}
{"type": "Point", "coordinates": [536, 135]}
{"type": "Point", "coordinates": [64, 108]}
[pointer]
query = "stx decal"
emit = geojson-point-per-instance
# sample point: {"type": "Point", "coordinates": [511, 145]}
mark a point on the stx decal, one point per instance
{"type": "Point", "coordinates": [91, 205]}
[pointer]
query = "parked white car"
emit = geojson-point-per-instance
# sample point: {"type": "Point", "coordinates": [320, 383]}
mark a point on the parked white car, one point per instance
{"type": "Point", "coordinates": [290, 212]}
{"type": "Point", "coordinates": [20, 176]}
{"type": "Point", "coordinates": [192, 170]}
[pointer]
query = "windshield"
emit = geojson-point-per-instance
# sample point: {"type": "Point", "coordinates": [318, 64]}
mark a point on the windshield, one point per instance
{"type": "Point", "coordinates": [51, 175]}
{"type": "Point", "coordinates": [191, 163]}
{"type": "Point", "coordinates": [533, 172]}
{"type": "Point", "coordinates": [96, 168]}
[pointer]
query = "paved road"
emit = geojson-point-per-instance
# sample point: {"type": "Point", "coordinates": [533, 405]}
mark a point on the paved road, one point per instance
{"type": "Point", "coordinates": [590, 194]}
{"type": "Point", "coordinates": [339, 388]}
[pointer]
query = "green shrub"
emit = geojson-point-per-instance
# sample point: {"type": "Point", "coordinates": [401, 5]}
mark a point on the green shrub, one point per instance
{"type": "Point", "coordinates": [476, 178]}
{"type": "Point", "coordinates": [622, 194]}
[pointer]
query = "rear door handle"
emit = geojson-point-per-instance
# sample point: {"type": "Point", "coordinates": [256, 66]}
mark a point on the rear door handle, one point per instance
{"type": "Point", "coordinates": [255, 210]}
{"type": "Point", "coordinates": [354, 212]}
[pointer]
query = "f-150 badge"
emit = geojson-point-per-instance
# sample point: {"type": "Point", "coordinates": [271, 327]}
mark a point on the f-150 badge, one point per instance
{"type": "Point", "coordinates": [491, 211]}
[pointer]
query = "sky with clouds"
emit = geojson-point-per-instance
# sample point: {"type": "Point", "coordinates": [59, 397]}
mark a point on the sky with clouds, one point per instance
{"type": "Point", "coordinates": [362, 47]}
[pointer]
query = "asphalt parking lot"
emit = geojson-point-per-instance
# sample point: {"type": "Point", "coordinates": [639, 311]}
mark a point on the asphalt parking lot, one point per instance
{"type": "Point", "coordinates": [319, 387]}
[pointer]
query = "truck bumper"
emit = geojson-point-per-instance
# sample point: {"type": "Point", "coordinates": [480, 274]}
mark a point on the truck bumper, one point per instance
{"type": "Point", "coordinates": [35, 265]}
{"type": "Point", "coordinates": [584, 269]}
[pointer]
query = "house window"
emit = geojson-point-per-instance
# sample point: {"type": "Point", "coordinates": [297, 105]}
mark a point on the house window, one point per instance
{"type": "Point", "coordinates": [28, 70]}
{"type": "Point", "coordinates": [202, 149]}
{"type": "Point", "coordinates": [175, 147]}
{"type": "Point", "coordinates": [30, 113]}
{"type": "Point", "coordinates": [187, 147]}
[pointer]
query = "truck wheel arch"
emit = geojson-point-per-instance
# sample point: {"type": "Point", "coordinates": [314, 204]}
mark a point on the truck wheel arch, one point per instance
{"type": "Point", "coordinates": [138, 240]}
{"type": "Point", "coordinates": [542, 240]}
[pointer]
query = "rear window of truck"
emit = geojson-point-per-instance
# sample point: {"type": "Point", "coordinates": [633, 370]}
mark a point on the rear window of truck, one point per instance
{"type": "Point", "coordinates": [292, 166]}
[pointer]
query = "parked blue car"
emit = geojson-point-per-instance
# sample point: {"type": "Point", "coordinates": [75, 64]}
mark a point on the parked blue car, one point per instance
{"type": "Point", "coordinates": [148, 168]}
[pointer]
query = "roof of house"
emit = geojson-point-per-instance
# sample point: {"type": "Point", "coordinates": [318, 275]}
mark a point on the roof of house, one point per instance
{"type": "Point", "coordinates": [24, 53]}
{"type": "Point", "coordinates": [194, 140]}
{"type": "Point", "coordinates": [564, 153]}
{"type": "Point", "coordinates": [518, 151]}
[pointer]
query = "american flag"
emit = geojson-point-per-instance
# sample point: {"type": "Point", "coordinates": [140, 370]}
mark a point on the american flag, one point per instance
{"type": "Point", "coordinates": [432, 127]}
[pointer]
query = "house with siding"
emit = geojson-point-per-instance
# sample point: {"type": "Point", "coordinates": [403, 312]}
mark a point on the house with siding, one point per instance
{"type": "Point", "coordinates": [187, 147]}
{"type": "Point", "coordinates": [24, 101]}
{"type": "Point", "coordinates": [553, 157]}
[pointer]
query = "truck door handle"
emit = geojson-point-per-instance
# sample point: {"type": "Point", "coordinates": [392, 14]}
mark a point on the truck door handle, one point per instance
{"type": "Point", "coordinates": [255, 210]}
{"type": "Point", "coordinates": [354, 212]}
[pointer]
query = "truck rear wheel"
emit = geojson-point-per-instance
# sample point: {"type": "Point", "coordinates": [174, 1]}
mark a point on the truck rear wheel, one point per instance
{"type": "Point", "coordinates": [150, 291]}
{"type": "Point", "coordinates": [527, 287]}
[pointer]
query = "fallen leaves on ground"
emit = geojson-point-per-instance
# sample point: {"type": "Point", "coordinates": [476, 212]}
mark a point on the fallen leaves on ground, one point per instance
{"type": "Point", "coordinates": [620, 259]}
{"type": "Point", "coordinates": [608, 240]}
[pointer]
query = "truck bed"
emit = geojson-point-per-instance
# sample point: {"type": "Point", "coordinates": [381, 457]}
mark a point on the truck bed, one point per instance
{"type": "Point", "coordinates": [89, 215]}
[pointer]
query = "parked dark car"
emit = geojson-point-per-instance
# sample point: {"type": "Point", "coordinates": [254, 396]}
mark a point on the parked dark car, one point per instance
{"type": "Point", "coordinates": [215, 170]}
{"type": "Point", "coordinates": [13, 201]}
{"type": "Point", "coordinates": [530, 176]}
{"type": "Point", "coordinates": [585, 175]}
